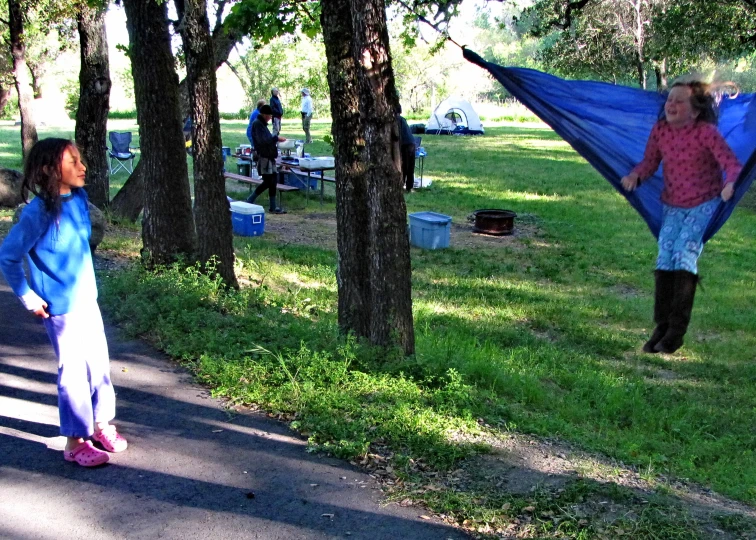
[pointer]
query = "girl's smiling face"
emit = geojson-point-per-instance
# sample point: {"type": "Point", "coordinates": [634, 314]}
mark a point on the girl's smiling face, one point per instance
{"type": "Point", "coordinates": [678, 109]}
{"type": "Point", "coordinates": [73, 173]}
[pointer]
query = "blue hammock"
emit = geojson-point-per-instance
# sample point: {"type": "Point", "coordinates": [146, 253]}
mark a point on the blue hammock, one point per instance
{"type": "Point", "coordinates": [609, 125]}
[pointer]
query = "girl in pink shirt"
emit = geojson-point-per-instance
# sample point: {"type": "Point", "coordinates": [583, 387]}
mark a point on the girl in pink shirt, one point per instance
{"type": "Point", "coordinates": [694, 155]}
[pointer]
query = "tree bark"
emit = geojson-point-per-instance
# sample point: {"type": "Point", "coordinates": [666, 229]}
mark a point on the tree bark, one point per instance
{"type": "Point", "coordinates": [128, 203]}
{"type": "Point", "coordinates": [389, 253]}
{"type": "Point", "coordinates": [374, 274]}
{"type": "Point", "coordinates": [352, 237]}
{"type": "Point", "coordinates": [167, 225]}
{"type": "Point", "coordinates": [36, 85]}
{"type": "Point", "coordinates": [21, 76]}
{"type": "Point", "coordinates": [5, 94]}
{"type": "Point", "coordinates": [224, 41]}
{"type": "Point", "coordinates": [94, 102]}
{"type": "Point", "coordinates": [211, 209]}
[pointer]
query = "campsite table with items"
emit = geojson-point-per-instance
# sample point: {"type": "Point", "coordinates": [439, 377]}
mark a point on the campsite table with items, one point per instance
{"type": "Point", "coordinates": [292, 165]}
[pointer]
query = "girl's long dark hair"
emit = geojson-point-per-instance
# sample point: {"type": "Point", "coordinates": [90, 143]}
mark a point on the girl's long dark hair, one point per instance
{"type": "Point", "coordinates": [42, 172]}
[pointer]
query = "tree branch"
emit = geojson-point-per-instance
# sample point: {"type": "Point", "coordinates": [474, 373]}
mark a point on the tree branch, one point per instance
{"type": "Point", "coordinates": [577, 5]}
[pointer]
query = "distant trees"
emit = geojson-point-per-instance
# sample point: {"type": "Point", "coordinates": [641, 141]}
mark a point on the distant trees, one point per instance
{"type": "Point", "coordinates": [17, 45]}
{"type": "Point", "coordinates": [625, 40]}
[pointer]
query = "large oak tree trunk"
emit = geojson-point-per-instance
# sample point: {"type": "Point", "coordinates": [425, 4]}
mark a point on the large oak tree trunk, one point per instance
{"type": "Point", "coordinates": [94, 102]}
{"type": "Point", "coordinates": [167, 224]}
{"type": "Point", "coordinates": [389, 253]}
{"type": "Point", "coordinates": [21, 76]}
{"type": "Point", "coordinates": [353, 239]}
{"type": "Point", "coordinates": [374, 274]}
{"type": "Point", "coordinates": [129, 201]}
{"type": "Point", "coordinates": [211, 208]}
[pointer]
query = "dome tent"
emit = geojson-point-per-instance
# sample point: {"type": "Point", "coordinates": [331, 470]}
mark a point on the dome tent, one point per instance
{"type": "Point", "coordinates": [454, 116]}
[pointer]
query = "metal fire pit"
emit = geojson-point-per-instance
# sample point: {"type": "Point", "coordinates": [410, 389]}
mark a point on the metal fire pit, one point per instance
{"type": "Point", "coordinates": [493, 221]}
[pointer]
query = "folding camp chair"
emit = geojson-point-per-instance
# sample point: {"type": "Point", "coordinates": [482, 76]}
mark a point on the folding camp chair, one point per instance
{"type": "Point", "coordinates": [420, 154]}
{"type": "Point", "coordinates": [120, 152]}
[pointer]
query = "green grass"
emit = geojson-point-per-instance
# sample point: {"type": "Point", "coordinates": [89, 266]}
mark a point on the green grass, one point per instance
{"type": "Point", "coordinates": [540, 333]}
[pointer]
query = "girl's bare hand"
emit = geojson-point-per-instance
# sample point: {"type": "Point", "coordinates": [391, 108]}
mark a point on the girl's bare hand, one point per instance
{"type": "Point", "coordinates": [42, 311]}
{"type": "Point", "coordinates": [630, 182]}
{"type": "Point", "coordinates": [728, 191]}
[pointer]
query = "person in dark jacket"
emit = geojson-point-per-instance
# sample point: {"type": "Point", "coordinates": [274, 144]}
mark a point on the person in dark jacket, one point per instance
{"type": "Point", "coordinates": [266, 146]}
{"type": "Point", "coordinates": [407, 144]}
{"type": "Point", "coordinates": [275, 105]}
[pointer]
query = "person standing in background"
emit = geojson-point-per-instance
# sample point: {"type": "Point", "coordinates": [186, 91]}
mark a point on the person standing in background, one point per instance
{"type": "Point", "coordinates": [277, 108]}
{"type": "Point", "coordinates": [252, 118]}
{"type": "Point", "coordinates": [407, 152]}
{"type": "Point", "coordinates": [306, 114]}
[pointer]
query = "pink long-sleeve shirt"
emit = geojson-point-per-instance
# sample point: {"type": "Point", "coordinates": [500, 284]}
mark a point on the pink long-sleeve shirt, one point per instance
{"type": "Point", "coordinates": [694, 157]}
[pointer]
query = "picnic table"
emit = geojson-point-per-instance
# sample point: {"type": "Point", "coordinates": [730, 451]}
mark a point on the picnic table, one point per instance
{"type": "Point", "coordinates": [290, 165]}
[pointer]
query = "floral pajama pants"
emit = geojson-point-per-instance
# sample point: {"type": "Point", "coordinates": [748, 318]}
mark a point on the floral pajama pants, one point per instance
{"type": "Point", "coordinates": [681, 236]}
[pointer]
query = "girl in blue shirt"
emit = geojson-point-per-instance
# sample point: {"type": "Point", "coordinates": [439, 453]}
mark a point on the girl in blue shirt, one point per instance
{"type": "Point", "coordinates": [53, 236]}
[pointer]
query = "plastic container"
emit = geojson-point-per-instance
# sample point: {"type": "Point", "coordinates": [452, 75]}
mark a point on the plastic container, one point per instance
{"type": "Point", "coordinates": [242, 167]}
{"type": "Point", "coordinates": [429, 230]}
{"type": "Point", "coordinates": [247, 219]}
{"type": "Point", "coordinates": [316, 163]}
{"type": "Point", "coordinates": [300, 180]}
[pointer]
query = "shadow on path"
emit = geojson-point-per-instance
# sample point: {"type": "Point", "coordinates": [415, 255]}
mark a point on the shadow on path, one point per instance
{"type": "Point", "coordinates": [193, 469]}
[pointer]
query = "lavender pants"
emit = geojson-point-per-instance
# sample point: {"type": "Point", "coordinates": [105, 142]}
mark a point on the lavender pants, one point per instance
{"type": "Point", "coordinates": [85, 393]}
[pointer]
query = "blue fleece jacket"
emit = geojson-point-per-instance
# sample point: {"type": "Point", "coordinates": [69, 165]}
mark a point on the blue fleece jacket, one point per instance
{"type": "Point", "coordinates": [60, 261]}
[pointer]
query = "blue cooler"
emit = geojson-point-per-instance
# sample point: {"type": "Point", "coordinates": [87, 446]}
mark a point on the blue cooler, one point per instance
{"type": "Point", "coordinates": [429, 230]}
{"type": "Point", "coordinates": [247, 219]}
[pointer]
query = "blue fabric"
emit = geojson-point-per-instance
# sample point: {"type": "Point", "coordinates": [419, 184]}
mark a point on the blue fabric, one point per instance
{"type": "Point", "coordinates": [681, 236]}
{"type": "Point", "coordinates": [609, 125]}
{"type": "Point", "coordinates": [252, 118]}
{"type": "Point", "coordinates": [60, 261]}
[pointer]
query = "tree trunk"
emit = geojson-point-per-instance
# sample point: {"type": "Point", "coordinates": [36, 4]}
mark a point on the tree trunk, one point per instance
{"type": "Point", "coordinates": [129, 201]}
{"type": "Point", "coordinates": [21, 76]}
{"type": "Point", "coordinates": [389, 253]}
{"type": "Point", "coordinates": [94, 102]}
{"type": "Point", "coordinates": [224, 41]}
{"type": "Point", "coordinates": [5, 94]}
{"type": "Point", "coordinates": [353, 239]}
{"type": "Point", "coordinates": [374, 275]}
{"type": "Point", "coordinates": [35, 82]}
{"type": "Point", "coordinates": [211, 209]}
{"type": "Point", "coordinates": [167, 225]}
{"type": "Point", "coordinates": [661, 75]}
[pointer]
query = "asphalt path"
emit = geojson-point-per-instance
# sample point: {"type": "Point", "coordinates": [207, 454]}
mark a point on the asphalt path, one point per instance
{"type": "Point", "coordinates": [193, 468]}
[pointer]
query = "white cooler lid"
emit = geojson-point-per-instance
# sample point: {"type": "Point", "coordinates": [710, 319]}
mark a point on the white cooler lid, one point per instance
{"type": "Point", "coordinates": [241, 207]}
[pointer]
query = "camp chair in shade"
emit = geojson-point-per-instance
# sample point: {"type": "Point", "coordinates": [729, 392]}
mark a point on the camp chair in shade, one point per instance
{"type": "Point", "coordinates": [120, 153]}
{"type": "Point", "coordinates": [420, 154]}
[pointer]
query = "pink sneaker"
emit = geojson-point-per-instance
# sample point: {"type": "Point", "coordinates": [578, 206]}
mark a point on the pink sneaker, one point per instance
{"type": "Point", "coordinates": [86, 455]}
{"type": "Point", "coordinates": [111, 440]}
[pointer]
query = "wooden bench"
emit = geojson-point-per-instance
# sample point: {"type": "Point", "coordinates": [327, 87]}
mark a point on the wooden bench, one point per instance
{"type": "Point", "coordinates": [280, 188]}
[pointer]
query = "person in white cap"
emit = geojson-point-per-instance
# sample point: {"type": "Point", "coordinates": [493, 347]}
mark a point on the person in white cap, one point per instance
{"type": "Point", "coordinates": [275, 104]}
{"type": "Point", "coordinates": [306, 114]}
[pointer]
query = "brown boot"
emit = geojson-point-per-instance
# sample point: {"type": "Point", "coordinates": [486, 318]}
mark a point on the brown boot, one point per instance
{"type": "Point", "coordinates": [679, 317]}
{"type": "Point", "coordinates": [663, 295]}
